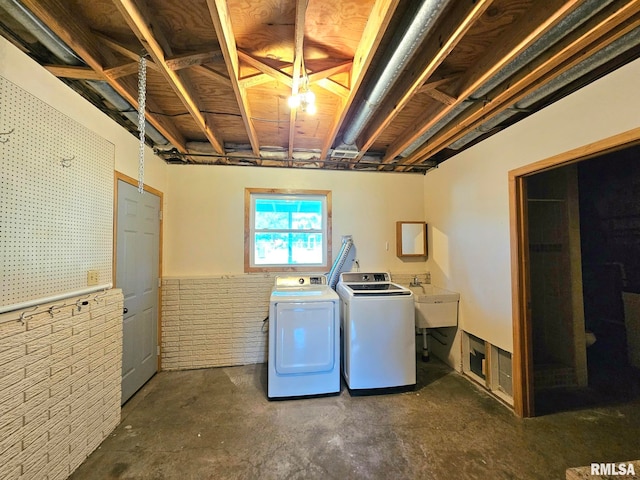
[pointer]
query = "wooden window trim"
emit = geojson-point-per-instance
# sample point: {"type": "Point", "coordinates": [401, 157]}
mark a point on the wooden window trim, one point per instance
{"type": "Point", "coordinates": [247, 230]}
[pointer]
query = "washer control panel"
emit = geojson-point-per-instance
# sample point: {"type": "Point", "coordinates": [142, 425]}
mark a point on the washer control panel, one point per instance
{"type": "Point", "coordinates": [365, 277]}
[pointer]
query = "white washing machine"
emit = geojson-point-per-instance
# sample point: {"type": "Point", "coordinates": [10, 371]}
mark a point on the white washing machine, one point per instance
{"type": "Point", "coordinates": [304, 338]}
{"type": "Point", "coordinates": [378, 332]}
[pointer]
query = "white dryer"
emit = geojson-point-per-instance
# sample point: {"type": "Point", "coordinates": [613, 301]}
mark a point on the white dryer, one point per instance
{"type": "Point", "coordinates": [304, 338]}
{"type": "Point", "coordinates": [378, 332]}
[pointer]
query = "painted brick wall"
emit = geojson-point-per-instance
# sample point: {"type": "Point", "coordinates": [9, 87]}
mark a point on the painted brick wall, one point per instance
{"type": "Point", "coordinates": [218, 321]}
{"type": "Point", "coordinates": [60, 377]}
{"type": "Point", "coordinates": [214, 321]}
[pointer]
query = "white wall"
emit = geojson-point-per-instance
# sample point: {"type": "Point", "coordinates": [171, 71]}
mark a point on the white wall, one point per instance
{"type": "Point", "coordinates": [21, 70]}
{"type": "Point", "coordinates": [204, 220]}
{"type": "Point", "coordinates": [467, 202]}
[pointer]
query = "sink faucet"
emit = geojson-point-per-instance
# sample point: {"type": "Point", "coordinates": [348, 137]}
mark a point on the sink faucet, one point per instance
{"type": "Point", "coordinates": [415, 282]}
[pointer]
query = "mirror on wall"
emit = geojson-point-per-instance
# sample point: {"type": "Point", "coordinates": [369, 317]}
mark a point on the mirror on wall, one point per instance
{"type": "Point", "coordinates": [411, 239]}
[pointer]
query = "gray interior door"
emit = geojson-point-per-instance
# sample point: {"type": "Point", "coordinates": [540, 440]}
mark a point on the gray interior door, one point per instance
{"type": "Point", "coordinates": [137, 258]}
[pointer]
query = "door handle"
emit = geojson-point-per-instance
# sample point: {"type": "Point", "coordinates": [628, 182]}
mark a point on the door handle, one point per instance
{"type": "Point", "coordinates": [125, 310]}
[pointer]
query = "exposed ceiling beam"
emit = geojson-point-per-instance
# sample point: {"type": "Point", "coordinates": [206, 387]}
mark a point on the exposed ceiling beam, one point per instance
{"type": "Point", "coordinates": [193, 59]}
{"type": "Point", "coordinates": [272, 72]}
{"type": "Point", "coordinates": [450, 31]}
{"type": "Point", "coordinates": [432, 84]}
{"type": "Point", "coordinates": [254, 80]}
{"type": "Point", "coordinates": [298, 62]}
{"type": "Point", "coordinates": [128, 51]}
{"type": "Point", "coordinates": [76, 73]}
{"type": "Point", "coordinates": [122, 71]}
{"type": "Point", "coordinates": [140, 20]}
{"type": "Point", "coordinates": [212, 74]}
{"type": "Point", "coordinates": [441, 96]}
{"type": "Point", "coordinates": [604, 28]}
{"type": "Point", "coordinates": [333, 87]}
{"type": "Point", "coordinates": [222, 23]}
{"type": "Point", "coordinates": [57, 16]}
{"type": "Point", "coordinates": [511, 44]}
{"type": "Point", "coordinates": [374, 30]}
{"type": "Point", "coordinates": [86, 73]}
{"type": "Point", "coordinates": [432, 88]}
{"type": "Point", "coordinates": [331, 71]}
{"type": "Point", "coordinates": [314, 78]}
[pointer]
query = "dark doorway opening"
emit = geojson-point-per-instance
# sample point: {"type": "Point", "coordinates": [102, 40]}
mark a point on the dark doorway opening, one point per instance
{"type": "Point", "coordinates": [607, 337]}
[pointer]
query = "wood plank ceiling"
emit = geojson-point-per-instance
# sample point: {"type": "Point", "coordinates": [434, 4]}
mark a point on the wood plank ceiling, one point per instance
{"type": "Point", "coordinates": [399, 85]}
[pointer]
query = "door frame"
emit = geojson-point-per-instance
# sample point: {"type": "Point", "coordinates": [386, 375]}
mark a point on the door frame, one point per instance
{"type": "Point", "coordinates": [132, 181]}
{"type": "Point", "coordinates": [522, 374]}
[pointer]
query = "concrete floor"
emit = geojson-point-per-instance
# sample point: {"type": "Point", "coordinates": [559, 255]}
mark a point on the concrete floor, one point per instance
{"type": "Point", "coordinates": [218, 424]}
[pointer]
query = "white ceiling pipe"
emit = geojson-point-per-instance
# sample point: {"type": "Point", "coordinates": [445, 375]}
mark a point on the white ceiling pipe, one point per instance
{"type": "Point", "coordinates": [560, 30]}
{"type": "Point", "coordinates": [56, 46]}
{"type": "Point", "coordinates": [568, 24]}
{"type": "Point", "coordinates": [407, 43]}
{"type": "Point", "coordinates": [45, 36]}
{"type": "Point", "coordinates": [623, 44]}
{"type": "Point", "coordinates": [126, 109]}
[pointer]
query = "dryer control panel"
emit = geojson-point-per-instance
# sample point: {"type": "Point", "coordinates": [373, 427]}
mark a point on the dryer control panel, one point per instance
{"type": "Point", "coordinates": [301, 281]}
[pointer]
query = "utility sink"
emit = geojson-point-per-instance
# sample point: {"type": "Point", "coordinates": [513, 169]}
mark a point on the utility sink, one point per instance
{"type": "Point", "coordinates": [435, 306]}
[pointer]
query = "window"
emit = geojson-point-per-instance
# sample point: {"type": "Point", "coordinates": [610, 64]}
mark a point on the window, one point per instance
{"type": "Point", "coordinates": [287, 230]}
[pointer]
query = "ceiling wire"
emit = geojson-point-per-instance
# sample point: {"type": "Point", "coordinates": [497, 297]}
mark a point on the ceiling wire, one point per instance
{"type": "Point", "coordinates": [174, 154]}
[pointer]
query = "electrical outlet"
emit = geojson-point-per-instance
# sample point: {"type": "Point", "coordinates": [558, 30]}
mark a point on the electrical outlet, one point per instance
{"type": "Point", "coordinates": [92, 278]}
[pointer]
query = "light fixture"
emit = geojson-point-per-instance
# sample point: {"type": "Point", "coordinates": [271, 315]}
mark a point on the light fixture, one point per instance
{"type": "Point", "coordinates": [305, 99]}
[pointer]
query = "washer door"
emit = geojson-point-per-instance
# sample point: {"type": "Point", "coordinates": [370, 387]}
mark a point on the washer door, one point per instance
{"type": "Point", "coordinates": [305, 334]}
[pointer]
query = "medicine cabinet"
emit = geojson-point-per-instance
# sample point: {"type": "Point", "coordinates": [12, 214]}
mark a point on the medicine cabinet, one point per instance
{"type": "Point", "coordinates": [411, 239]}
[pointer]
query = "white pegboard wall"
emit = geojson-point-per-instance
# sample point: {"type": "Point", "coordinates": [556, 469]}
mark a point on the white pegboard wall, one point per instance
{"type": "Point", "coordinates": [56, 200]}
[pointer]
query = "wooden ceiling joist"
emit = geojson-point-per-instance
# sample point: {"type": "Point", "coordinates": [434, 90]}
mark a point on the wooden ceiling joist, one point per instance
{"type": "Point", "coordinates": [320, 78]}
{"type": "Point", "coordinates": [139, 19]}
{"type": "Point", "coordinates": [254, 80]}
{"type": "Point", "coordinates": [376, 26]}
{"type": "Point", "coordinates": [79, 37]}
{"type": "Point", "coordinates": [72, 72]}
{"type": "Point", "coordinates": [193, 59]}
{"type": "Point", "coordinates": [212, 74]}
{"type": "Point", "coordinates": [452, 28]}
{"type": "Point", "coordinates": [333, 87]}
{"type": "Point", "coordinates": [268, 70]}
{"type": "Point", "coordinates": [126, 50]}
{"type": "Point", "coordinates": [298, 62]}
{"type": "Point", "coordinates": [461, 67]}
{"type": "Point", "coordinates": [441, 96]}
{"type": "Point", "coordinates": [511, 44]}
{"type": "Point", "coordinates": [222, 24]}
{"type": "Point", "coordinates": [86, 73]}
{"type": "Point", "coordinates": [604, 28]}
{"type": "Point", "coordinates": [122, 71]}
{"type": "Point", "coordinates": [433, 84]}
{"type": "Point", "coordinates": [342, 67]}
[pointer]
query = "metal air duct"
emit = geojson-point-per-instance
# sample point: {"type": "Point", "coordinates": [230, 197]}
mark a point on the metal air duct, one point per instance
{"type": "Point", "coordinates": [623, 44]}
{"type": "Point", "coordinates": [126, 109]}
{"type": "Point", "coordinates": [556, 33]}
{"type": "Point", "coordinates": [40, 31]}
{"type": "Point", "coordinates": [405, 44]}
{"type": "Point", "coordinates": [62, 51]}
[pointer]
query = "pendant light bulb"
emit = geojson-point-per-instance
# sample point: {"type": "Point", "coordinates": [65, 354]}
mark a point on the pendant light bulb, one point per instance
{"type": "Point", "coordinates": [293, 101]}
{"type": "Point", "coordinates": [309, 97]}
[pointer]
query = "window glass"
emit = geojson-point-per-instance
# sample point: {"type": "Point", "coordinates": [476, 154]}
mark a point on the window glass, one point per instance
{"type": "Point", "coordinates": [287, 230]}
